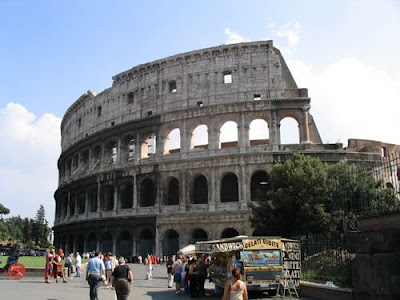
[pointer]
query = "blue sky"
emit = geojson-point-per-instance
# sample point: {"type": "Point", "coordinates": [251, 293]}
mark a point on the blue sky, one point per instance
{"type": "Point", "coordinates": [344, 52]}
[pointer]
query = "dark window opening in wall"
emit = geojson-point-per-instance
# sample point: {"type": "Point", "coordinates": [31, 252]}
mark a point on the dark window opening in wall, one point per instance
{"type": "Point", "coordinates": [99, 111]}
{"type": "Point", "coordinates": [92, 242]}
{"type": "Point", "coordinates": [92, 199]}
{"type": "Point", "coordinates": [172, 87]}
{"type": "Point", "coordinates": [126, 194]}
{"type": "Point", "coordinates": [227, 77]}
{"type": "Point", "coordinates": [72, 205]}
{"type": "Point", "coordinates": [65, 207]}
{"type": "Point", "coordinates": [112, 123]}
{"type": "Point", "coordinates": [79, 122]}
{"type": "Point", "coordinates": [257, 97]}
{"type": "Point", "coordinates": [107, 198]}
{"type": "Point", "coordinates": [106, 243]}
{"type": "Point", "coordinates": [200, 103]}
{"type": "Point", "coordinates": [200, 190]}
{"type": "Point", "coordinates": [383, 152]}
{"type": "Point", "coordinates": [147, 193]}
{"type": "Point", "coordinates": [130, 98]}
{"type": "Point", "coordinates": [173, 192]}
{"type": "Point", "coordinates": [81, 203]}
{"type": "Point", "coordinates": [259, 186]}
{"type": "Point", "coordinates": [149, 113]}
{"type": "Point", "coordinates": [228, 233]}
{"type": "Point", "coordinates": [229, 188]}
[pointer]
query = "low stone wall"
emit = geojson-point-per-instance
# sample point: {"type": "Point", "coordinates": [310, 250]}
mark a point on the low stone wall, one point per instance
{"type": "Point", "coordinates": [319, 291]}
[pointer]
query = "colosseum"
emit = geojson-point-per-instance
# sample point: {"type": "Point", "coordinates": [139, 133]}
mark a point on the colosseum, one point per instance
{"type": "Point", "coordinates": [169, 155]}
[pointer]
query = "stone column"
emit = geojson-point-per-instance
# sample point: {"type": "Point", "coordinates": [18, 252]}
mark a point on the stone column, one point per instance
{"type": "Point", "coordinates": [116, 194]}
{"type": "Point", "coordinates": [243, 185]}
{"type": "Point", "coordinates": [306, 133]}
{"type": "Point", "coordinates": [185, 140]}
{"type": "Point", "coordinates": [134, 183]}
{"type": "Point", "coordinates": [213, 137]}
{"type": "Point", "coordinates": [98, 208]}
{"type": "Point", "coordinates": [243, 136]}
{"type": "Point", "coordinates": [86, 202]}
{"type": "Point", "coordinates": [211, 191]}
{"type": "Point", "coordinates": [114, 244]}
{"type": "Point", "coordinates": [183, 201]}
{"type": "Point", "coordinates": [68, 206]}
{"type": "Point", "coordinates": [119, 149]}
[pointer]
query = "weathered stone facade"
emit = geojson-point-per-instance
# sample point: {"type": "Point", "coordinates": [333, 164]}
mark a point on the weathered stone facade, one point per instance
{"type": "Point", "coordinates": [123, 188]}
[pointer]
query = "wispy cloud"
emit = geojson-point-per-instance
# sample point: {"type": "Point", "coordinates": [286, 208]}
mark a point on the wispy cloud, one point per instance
{"type": "Point", "coordinates": [291, 32]}
{"type": "Point", "coordinates": [233, 37]}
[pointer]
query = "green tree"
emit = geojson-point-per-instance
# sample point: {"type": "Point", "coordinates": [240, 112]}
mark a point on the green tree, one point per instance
{"type": "Point", "coordinates": [299, 194]}
{"type": "Point", "coordinates": [27, 230]}
{"type": "Point", "coordinates": [4, 235]}
{"type": "Point", "coordinates": [40, 230]}
{"type": "Point", "coordinates": [15, 225]}
{"type": "Point", "coordinates": [3, 211]}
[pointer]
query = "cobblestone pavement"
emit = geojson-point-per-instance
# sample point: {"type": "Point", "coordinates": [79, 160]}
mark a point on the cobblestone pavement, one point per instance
{"type": "Point", "coordinates": [34, 288]}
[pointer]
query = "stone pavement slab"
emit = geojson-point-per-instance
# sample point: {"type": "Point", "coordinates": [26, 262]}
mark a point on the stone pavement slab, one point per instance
{"type": "Point", "coordinates": [34, 288]}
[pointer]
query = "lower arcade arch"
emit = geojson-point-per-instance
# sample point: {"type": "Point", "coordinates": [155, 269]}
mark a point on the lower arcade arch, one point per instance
{"type": "Point", "coordinates": [92, 242]}
{"type": "Point", "coordinates": [80, 244]}
{"type": "Point", "coordinates": [170, 242]}
{"type": "Point", "coordinates": [124, 244]}
{"type": "Point", "coordinates": [228, 233]}
{"type": "Point", "coordinates": [146, 243]}
{"type": "Point", "coordinates": [106, 242]}
{"type": "Point", "coordinates": [199, 235]}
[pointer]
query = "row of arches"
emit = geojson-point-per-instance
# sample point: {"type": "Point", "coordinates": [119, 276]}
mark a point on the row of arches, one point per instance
{"type": "Point", "coordinates": [135, 146]}
{"type": "Point", "coordinates": [127, 244]}
{"type": "Point", "coordinates": [129, 192]}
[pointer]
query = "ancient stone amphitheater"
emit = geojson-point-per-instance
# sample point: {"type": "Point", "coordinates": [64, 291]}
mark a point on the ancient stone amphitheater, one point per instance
{"type": "Point", "coordinates": [177, 149]}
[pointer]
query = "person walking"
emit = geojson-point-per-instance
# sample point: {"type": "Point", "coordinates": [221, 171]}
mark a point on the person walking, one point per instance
{"type": "Point", "coordinates": [235, 289]}
{"type": "Point", "coordinates": [78, 264]}
{"type": "Point", "coordinates": [201, 268]}
{"type": "Point", "coordinates": [95, 275]}
{"type": "Point", "coordinates": [177, 270]}
{"type": "Point", "coordinates": [170, 263]}
{"type": "Point", "coordinates": [121, 279]}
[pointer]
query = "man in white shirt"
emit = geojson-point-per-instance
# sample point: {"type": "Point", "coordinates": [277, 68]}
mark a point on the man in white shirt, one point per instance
{"type": "Point", "coordinates": [78, 263]}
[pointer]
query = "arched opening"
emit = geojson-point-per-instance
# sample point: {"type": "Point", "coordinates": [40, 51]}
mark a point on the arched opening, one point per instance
{"type": "Point", "coordinates": [75, 164]}
{"type": "Point", "coordinates": [72, 204]}
{"type": "Point", "coordinates": [124, 244]}
{"type": "Point", "coordinates": [146, 243]}
{"type": "Point", "coordinates": [85, 160]}
{"type": "Point", "coordinates": [228, 233]}
{"type": "Point", "coordinates": [92, 242]}
{"type": "Point", "coordinates": [199, 235]}
{"type": "Point", "coordinates": [96, 158]}
{"type": "Point", "coordinates": [80, 244]}
{"type": "Point", "coordinates": [106, 242]}
{"type": "Point", "coordinates": [92, 199]}
{"type": "Point", "coordinates": [289, 131]}
{"type": "Point", "coordinates": [107, 197]}
{"type": "Point", "coordinates": [229, 135]}
{"type": "Point", "coordinates": [126, 195]}
{"type": "Point", "coordinates": [149, 146]}
{"type": "Point", "coordinates": [258, 232]}
{"type": "Point", "coordinates": [63, 243]}
{"type": "Point", "coordinates": [229, 188]}
{"type": "Point", "coordinates": [69, 247]}
{"type": "Point", "coordinates": [173, 142]}
{"type": "Point", "coordinates": [173, 192]}
{"type": "Point", "coordinates": [147, 193]}
{"type": "Point", "coordinates": [170, 243]}
{"type": "Point", "coordinates": [200, 137]}
{"type": "Point", "coordinates": [111, 153]}
{"type": "Point", "coordinates": [258, 132]}
{"type": "Point", "coordinates": [81, 202]}
{"type": "Point", "coordinates": [259, 186]}
{"type": "Point", "coordinates": [130, 148]}
{"type": "Point", "coordinates": [65, 206]}
{"type": "Point", "coordinates": [68, 168]}
{"type": "Point", "coordinates": [200, 190]}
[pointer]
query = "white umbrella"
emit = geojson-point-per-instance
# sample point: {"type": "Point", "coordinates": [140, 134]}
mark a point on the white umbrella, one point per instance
{"type": "Point", "coordinates": [189, 249]}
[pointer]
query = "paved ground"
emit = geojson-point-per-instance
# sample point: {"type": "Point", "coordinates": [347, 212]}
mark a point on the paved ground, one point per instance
{"type": "Point", "coordinates": [34, 288]}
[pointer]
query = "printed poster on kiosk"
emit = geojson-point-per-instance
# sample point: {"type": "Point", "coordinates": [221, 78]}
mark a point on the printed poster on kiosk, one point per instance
{"type": "Point", "coordinates": [261, 258]}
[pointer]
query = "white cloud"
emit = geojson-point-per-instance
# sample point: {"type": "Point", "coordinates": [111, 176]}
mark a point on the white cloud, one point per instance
{"type": "Point", "coordinates": [31, 147]}
{"type": "Point", "coordinates": [233, 37]}
{"type": "Point", "coordinates": [352, 99]}
{"type": "Point", "coordinates": [291, 32]}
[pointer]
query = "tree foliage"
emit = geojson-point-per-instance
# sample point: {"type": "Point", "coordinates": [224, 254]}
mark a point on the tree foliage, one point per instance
{"type": "Point", "coordinates": [309, 196]}
{"type": "Point", "coordinates": [3, 211]}
{"type": "Point", "coordinates": [30, 232]}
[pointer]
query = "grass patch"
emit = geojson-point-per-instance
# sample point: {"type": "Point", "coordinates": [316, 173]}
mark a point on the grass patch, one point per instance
{"type": "Point", "coordinates": [31, 261]}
